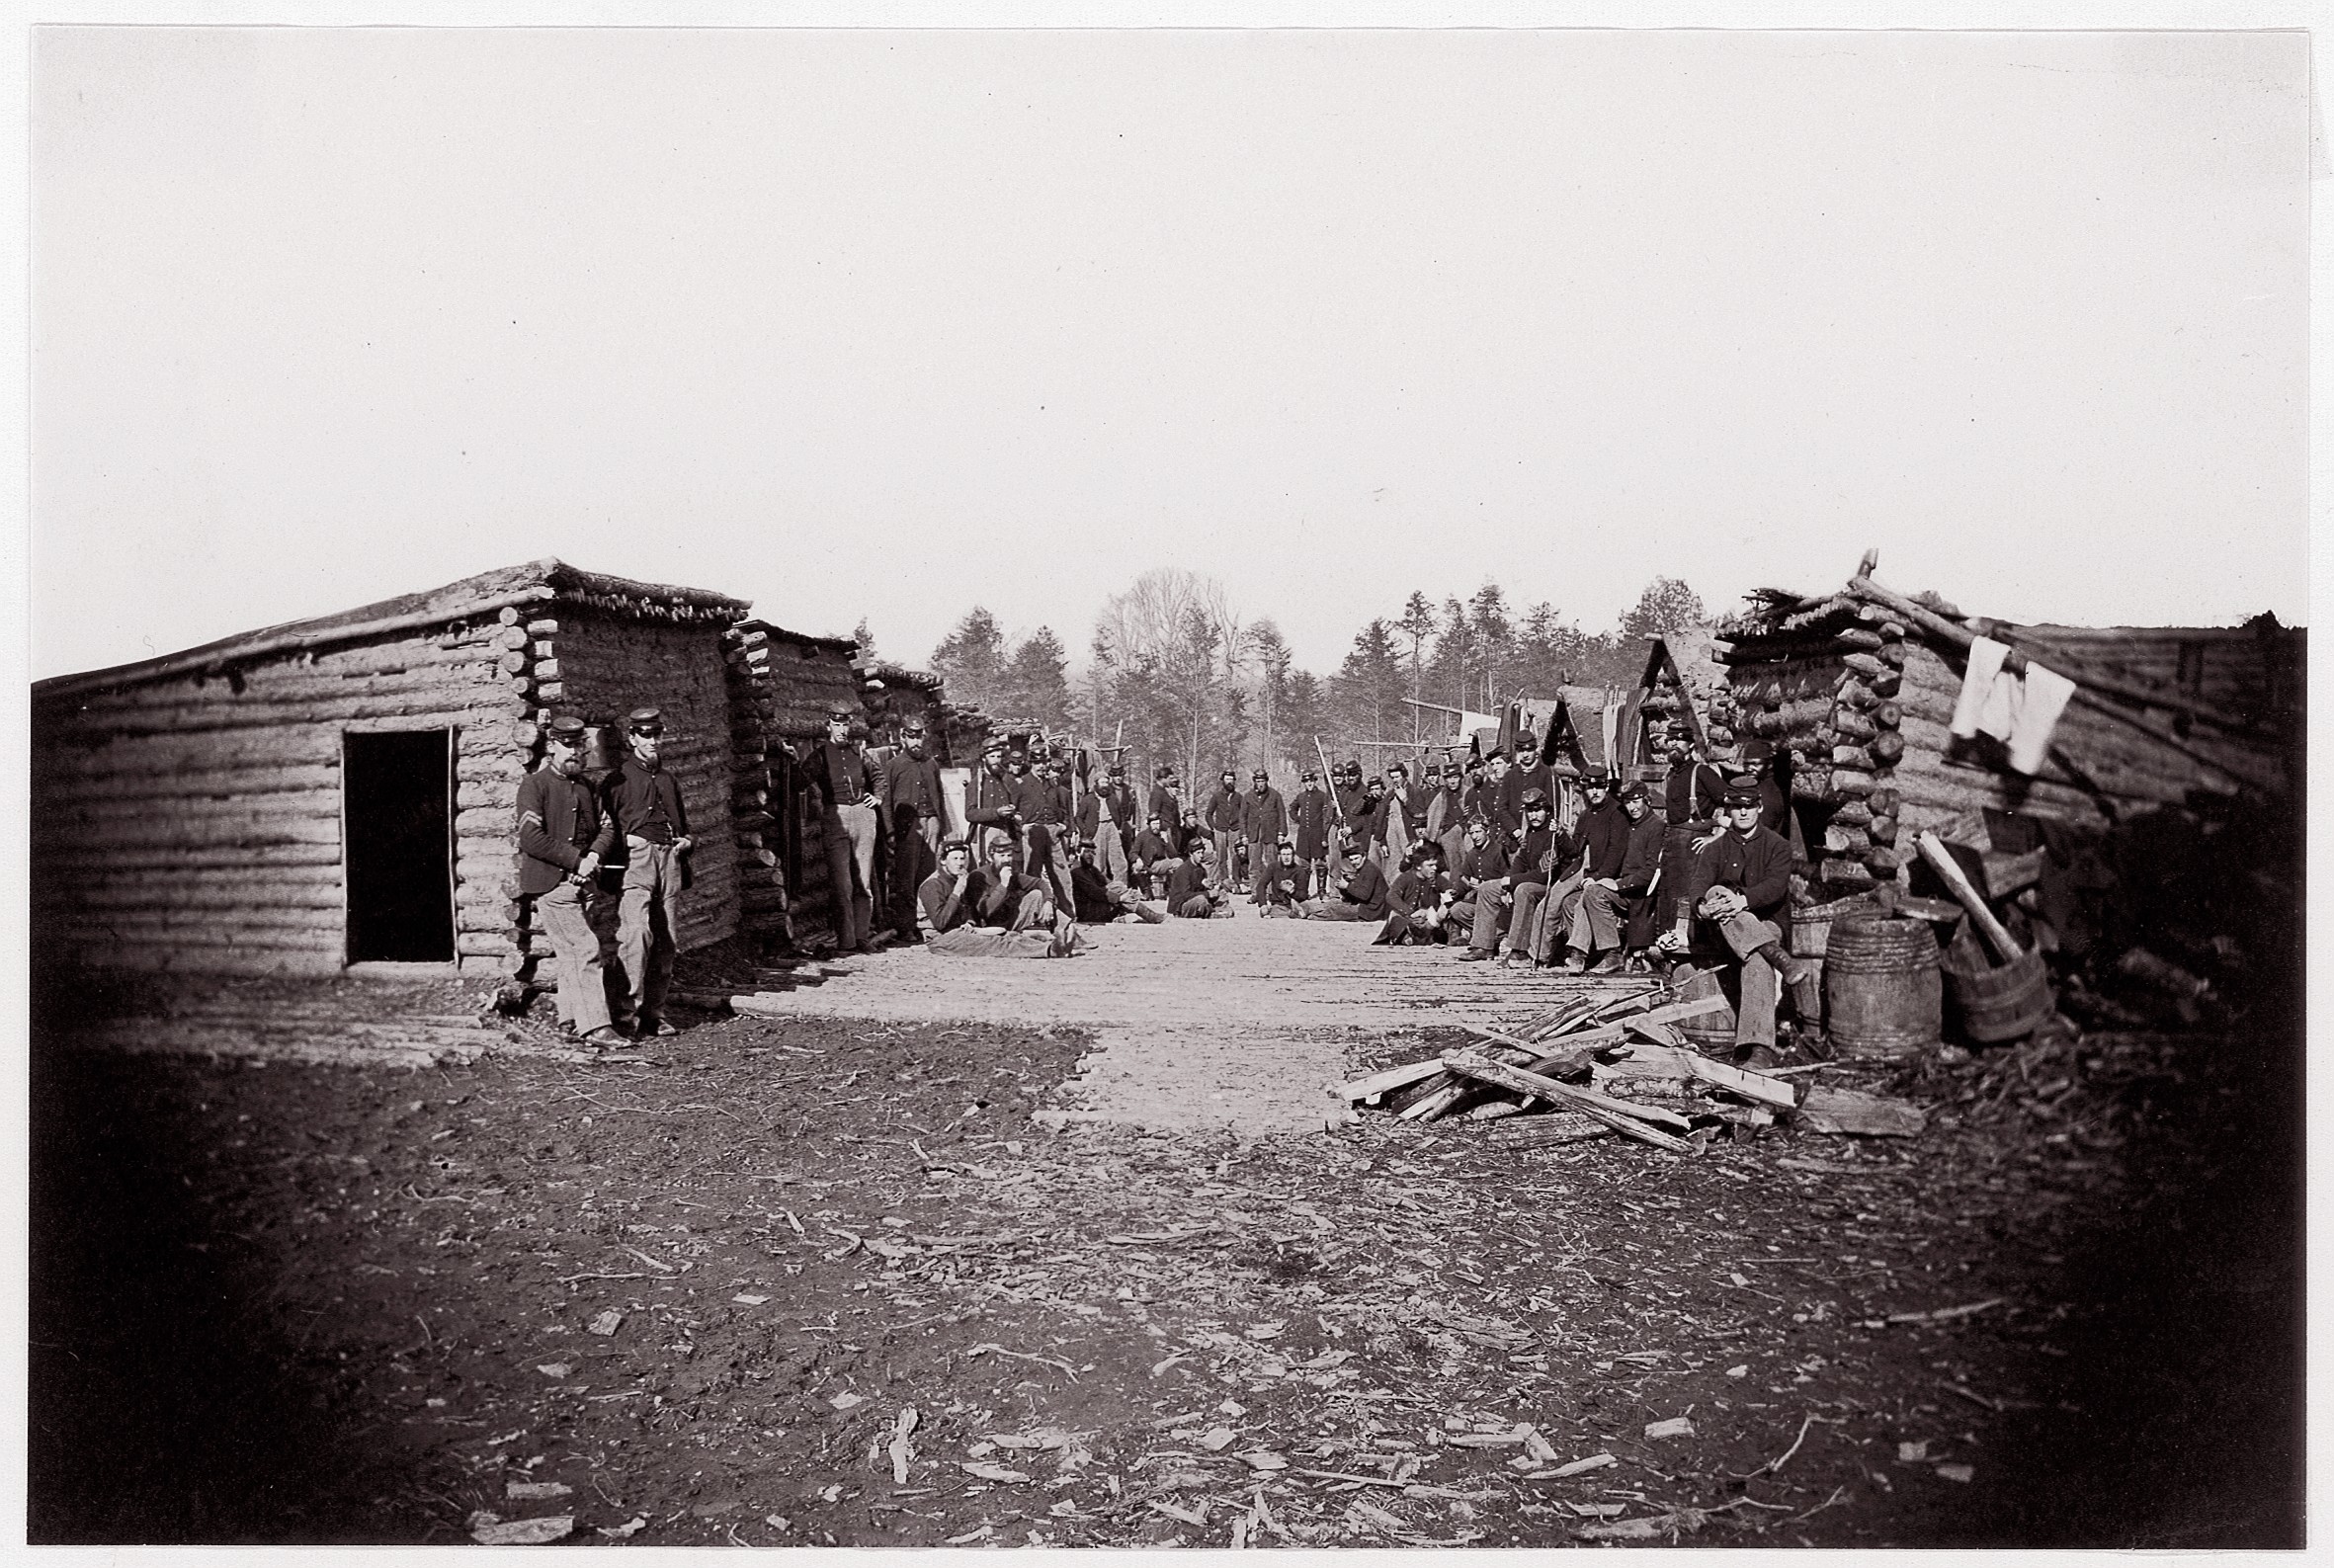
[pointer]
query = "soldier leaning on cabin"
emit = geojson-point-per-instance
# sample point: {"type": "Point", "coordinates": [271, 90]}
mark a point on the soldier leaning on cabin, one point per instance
{"type": "Point", "coordinates": [645, 803]}
{"type": "Point", "coordinates": [562, 839]}
{"type": "Point", "coordinates": [851, 816]}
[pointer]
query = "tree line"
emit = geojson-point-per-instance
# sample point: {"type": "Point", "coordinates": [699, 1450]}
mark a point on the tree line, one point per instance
{"type": "Point", "coordinates": [1176, 671]}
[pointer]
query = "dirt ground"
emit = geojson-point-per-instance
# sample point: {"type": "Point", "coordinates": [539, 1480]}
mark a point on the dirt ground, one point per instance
{"type": "Point", "coordinates": [287, 1303]}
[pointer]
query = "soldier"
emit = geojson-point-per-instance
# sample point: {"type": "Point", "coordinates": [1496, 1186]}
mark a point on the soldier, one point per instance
{"type": "Point", "coordinates": [1361, 895]}
{"type": "Point", "coordinates": [1166, 804]}
{"type": "Point", "coordinates": [1418, 901]}
{"type": "Point", "coordinates": [1480, 876]}
{"type": "Point", "coordinates": [1192, 890]}
{"type": "Point", "coordinates": [1100, 899]}
{"type": "Point", "coordinates": [1739, 889]}
{"type": "Point", "coordinates": [645, 802]}
{"type": "Point", "coordinates": [850, 815]}
{"type": "Point", "coordinates": [1285, 888]}
{"type": "Point", "coordinates": [989, 811]}
{"type": "Point", "coordinates": [563, 838]}
{"type": "Point", "coordinates": [1690, 799]}
{"type": "Point", "coordinates": [1154, 857]}
{"type": "Point", "coordinates": [989, 914]}
{"type": "Point", "coordinates": [1221, 817]}
{"type": "Point", "coordinates": [1591, 917]}
{"type": "Point", "coordinates": [912, 795]}
{"type": "Point", "coordinates": [1042, 802]}
{"type": "Point", "coordinates": [1311, 816]}
{"type": "Point", "coordinates": [1106, 823]}
{"type": "Point", "coordinates": [1264, 821]}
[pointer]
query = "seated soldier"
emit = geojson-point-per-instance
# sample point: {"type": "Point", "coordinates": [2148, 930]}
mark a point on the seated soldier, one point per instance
{"type": "Point", "coordinates": [1419, 901]}
{"type": "Point", "coordinates": [1099, 900]}
{"type": "Point", "coordinates": [1736, 900]}
{"type": "Point", "coordinates": [1286, 888]}
{"type": "Point", "coordinates": [1476, 877]}
{"type": "Point", "coordinates": [1155, 857]}
{"type": "Point", "coordinates": [1193, 891]}
{"type": "Point", "coordinates": [1018, 923]}
{"type": "Point", "coordinates": [1361, 895]}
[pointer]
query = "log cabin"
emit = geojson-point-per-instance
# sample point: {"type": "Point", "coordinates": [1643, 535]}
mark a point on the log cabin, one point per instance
{"type": "Point", "coordinates": [341, 792]}
{"type": "Point", "coordinates": [1859, 688]}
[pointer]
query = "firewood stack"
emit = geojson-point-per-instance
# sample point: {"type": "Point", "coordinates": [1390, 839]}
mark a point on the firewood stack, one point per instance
{"type": "Point", "coordinates": [1822, 684]}
{"type": "Point", "coordinates": [1597, 1066]}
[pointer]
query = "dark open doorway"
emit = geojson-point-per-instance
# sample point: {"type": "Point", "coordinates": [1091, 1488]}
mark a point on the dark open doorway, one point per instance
{"type": "Point", "coordinates": [397, 793]}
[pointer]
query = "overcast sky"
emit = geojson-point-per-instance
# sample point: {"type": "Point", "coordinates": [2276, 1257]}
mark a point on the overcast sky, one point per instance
{"type": "Point", "coordinates": [887, 324]}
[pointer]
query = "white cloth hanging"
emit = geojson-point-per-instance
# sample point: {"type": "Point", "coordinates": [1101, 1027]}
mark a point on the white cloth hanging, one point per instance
{"type": "Point", "coordinates": [2022, 712]}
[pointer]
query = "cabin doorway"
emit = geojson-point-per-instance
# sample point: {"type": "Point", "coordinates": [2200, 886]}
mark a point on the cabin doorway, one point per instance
{"type": "Point", "coordinates": [397, 823]}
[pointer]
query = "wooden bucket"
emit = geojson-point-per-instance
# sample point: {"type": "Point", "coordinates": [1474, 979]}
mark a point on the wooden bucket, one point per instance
{"type": "Point", "coordinates": [1884, 995]}
{"type": "Point", "coordinates": [1996, 1003]}
{"type": "Point", "coordinates": [1711, 1033]}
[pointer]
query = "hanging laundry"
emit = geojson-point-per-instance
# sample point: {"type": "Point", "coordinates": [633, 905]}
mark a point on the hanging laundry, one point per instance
{"type": "Point", "coordinates": [2020, 710]}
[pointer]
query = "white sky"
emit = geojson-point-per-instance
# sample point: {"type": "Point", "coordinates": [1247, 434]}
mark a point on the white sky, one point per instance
{"type": "Point", "coordinates": [887, 324]}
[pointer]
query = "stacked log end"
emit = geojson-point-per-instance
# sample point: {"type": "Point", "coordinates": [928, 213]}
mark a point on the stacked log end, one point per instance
{"type": "Point", "coordinates": [1822, 684]}
{"type": "Point", "coordinates": [756, 803]}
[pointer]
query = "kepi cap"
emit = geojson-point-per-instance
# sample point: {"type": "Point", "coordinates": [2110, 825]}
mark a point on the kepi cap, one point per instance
{"type": "Point", "coordinates": [645, 721]}
{"type": "Point", "coordinates": [1740, 794]}
{"type": "Point", "coordinates": [568, 730]}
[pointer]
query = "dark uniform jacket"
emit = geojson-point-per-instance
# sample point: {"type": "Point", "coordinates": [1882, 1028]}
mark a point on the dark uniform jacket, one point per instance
{"type": "Point", "coordinates": [1309, 823]}
{"type": "Point", "coordinates": [1478, 865]}
{"type": "Point", "coordinates": [559, 823]}
{"type": "Point", "coordinates": [1644, 855]}
{"type": "Point", "coordinates": [1279, 887]}
{"type": "Point", "coordinates": [1165, 804]}
{"type": "Point", "coordinates": [1367, 889]}
{"type": "Point", "coordinates": [1037, 800]}
{"type": "Point", "coordinates": [1602, 836]}
{"type": "Point", "coordinates": [1758, 868]}
{"type": "Point", "coordinates": [911, 784]}
{"type": "Point", "coordinates": [1691, 793]}
{"type": "Point", "coordinates": [1120, 801]}
{"type": "Point", "coordinates": [987, 797]}
{"type": "Point", "coordinates": [843, 776]}
{"type": "Point", "coordinates": [1488, 801]}
{"type": "Point", "coordinates": [645, 804]}
{"type": "Point", "coordinates": [1090, 895]}
{"type": "Point", "coordinates": [1545, 855]}
{"type": "Point", "coordinates": [1415, 892]}
{"type": "Point", "coordinates": [1350, 803]}
{"type": "Point", "coordinates": [1223, 810]}
{"type": "Point", "coordinates": [997, 899]}
{"type": "Point", "coordinates": [943, 910]}
{"type": "Point", "coordinates": [1185, 883]}
{"type": "Point", "coordinates": [1263, 817]}
{"type": "Point", "coordinates": [1149, 849]}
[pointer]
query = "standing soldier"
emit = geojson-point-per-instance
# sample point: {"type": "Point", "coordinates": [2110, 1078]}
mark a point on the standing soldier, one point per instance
{"type": "Point", "coordinates": [563, 838]}
{"type": "Point", "coordinates": [912, 795]}
{"type": "Point", "coordinates": [645, 803]}
{"type": "Point", "coordinates": [1166, 803]}
{"type": "Point", "coordinates": [849, 816]}
{"type": "Point", "coordinates": [1264, 819]}
{"type": "Point", "coordinates": [989, 811]}
{"type": "Point", "coordinates": [1221, 817]}
{"type": "Point", "coordinates": [1310, 824]}
{"type": "Point", "coordinates": [1104, 817]}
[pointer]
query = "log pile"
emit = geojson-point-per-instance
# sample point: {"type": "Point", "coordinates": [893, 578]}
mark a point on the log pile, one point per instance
{"type": "Point", "coordinates": [1597, 1067]}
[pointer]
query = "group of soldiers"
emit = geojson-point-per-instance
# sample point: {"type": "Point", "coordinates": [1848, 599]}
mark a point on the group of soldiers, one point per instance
{"type": "Point", "coordinates": [1488, 854]}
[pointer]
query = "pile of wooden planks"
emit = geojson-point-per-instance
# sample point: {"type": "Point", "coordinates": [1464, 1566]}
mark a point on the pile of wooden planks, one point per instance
{"type": "Point", "coordinates": [1600, 1067]}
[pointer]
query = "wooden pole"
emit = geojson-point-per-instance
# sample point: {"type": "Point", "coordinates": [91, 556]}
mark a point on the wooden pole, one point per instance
{"type": "Point", "coordinates": [1949, 870]}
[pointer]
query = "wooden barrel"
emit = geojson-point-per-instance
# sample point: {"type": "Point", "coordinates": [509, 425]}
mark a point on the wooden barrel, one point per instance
{"type": "Point", "coordinates": [1711, 1033]}
{"type": "Point", "coordinates": [1996, 1003]}
{"type": "Point", "coordinates": [1811, 924]}
{"type": "Point", "coordinates": [1883, 996]}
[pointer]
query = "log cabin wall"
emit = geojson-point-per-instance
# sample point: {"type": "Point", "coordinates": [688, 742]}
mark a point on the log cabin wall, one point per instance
{"type": "Point", "coordinates": [192, 812]}
{"type": "Point", "coordinates": [1863, 708]}
{"type": "Point", "coordinates": [803, 677]}
{"type": "Point", "coordinates": [195, 823]}
{"type": "Point", "coordinates": [608, 664]}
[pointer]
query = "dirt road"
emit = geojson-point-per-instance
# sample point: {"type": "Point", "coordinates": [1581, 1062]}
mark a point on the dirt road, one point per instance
{"type": "Point", "coordinates": [309, 1303]}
